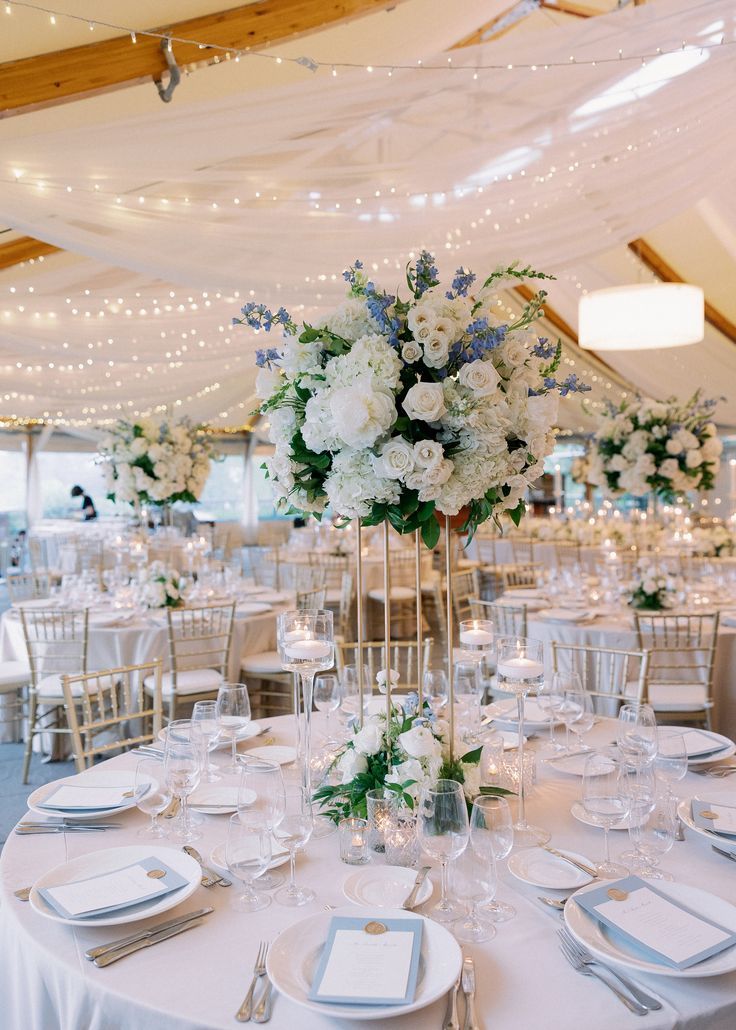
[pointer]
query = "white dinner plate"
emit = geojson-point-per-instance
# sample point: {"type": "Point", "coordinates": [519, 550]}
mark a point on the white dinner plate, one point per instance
{"type": "Point", "coordinates": [510, 739]}
{"type": "Point", "coordinates": [95, 863]}
{"type": "Point", "coordinates": [218, 859]}
{"type": "Point", "coordinates": [253, 608]}
{"type": "Point", "coordinates": [251, 729]}
{"type": "Point", "coordinates": [294, 955]}
{"type": "Point", "coordinates": [713, 795]}
{"type": "Point", "coordinates": [524, 593]}
{"type": "Point", "coordinates": [277, 753]}
{"type": "Point", "coordinates": [216, 799]}
{"type": "Point", "coordinates": [564, 614]}
{"type": "Point", "coordinates": [91, 778]}
{"type": "Point", "coordinates": [384, 886]}
{"type": "Point", "coordinates": [537, 867]}
{"type": "Point", "coordinates": [504, 717]}
{"type": "Point", "coordinates": [727, 746]}
{"type": "Point", "coordinates": [574, 765]}
{"type": "Point", "coordinates": [37, 602]}
{"type": "Point", "coordinates": [578, 812]}
{"type": "Point", "coordinates": [611, 947]}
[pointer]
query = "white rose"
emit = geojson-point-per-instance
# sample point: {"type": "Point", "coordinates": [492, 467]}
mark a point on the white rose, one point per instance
{"type": "Point", "coordinates": [396, 459]}
{"type": "Point", "coordinates": [351, 765]}
{"type": "Point", "coordinates": [674, 446]}
{"type": "Point", "coordinates": [712, 448]}
{"type": "Point", "coordinates": [669, 468]}
{"type": "Point", "coordinates": [617, 463]}
{"type": "Point", "coordinates": [425, 401]}
{"type": "Point", "coordinates": [268, 380]}
{"type": "Point", "coordinates": [438, 473]}
{"type": "Point", "coordinates": [411, 352]}
{"type": "Point", "coordinates": [419, 742]}
{"type": "Point", "coordinates": [361, 413]}
{"type": "Point", "coordinates": [436, 350]}
{"type": "Point", "coordinates": [480, 377]}
{"type": "Point", "coordinates": [428, 453]}
{"type": "Point", "coordinates": [693, 458]}
{"type": "Point", "coordinates": [649, 586]}
{"type": "Point", "coordinates": [368, 741]}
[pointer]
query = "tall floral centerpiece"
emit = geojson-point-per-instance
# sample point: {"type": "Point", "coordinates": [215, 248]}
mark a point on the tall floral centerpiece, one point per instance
{"type": "Point", "coordinates": [392, 409]}
{"type": "Point", "coordinates": [155, 462]}
{"type": "Point", "coordinates": [663, 447]}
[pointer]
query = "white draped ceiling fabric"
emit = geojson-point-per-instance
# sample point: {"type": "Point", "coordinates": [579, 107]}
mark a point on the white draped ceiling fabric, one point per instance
{"type": "Point", "coordinates": [174, 216]}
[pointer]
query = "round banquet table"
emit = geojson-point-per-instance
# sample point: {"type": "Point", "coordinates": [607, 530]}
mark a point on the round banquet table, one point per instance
{"type": "Point", "coordinates": [196, 981]}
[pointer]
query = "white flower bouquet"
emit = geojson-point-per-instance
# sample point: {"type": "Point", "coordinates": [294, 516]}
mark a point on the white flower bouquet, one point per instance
{"type": "Point", "coordinates": [162, 587]}
{"type": "Point", "coordinates": [715, 540]}
{"type": "Point", "coordinates": [155, 462]}
{"type": "Point", "coordinates": [664, 447]}
{"type": "Point", "coordinates": [580, 470]}
{"type": "Point", "coordinates": [392, 409]}
{"type": "Point", "coordinates": [654, 590]}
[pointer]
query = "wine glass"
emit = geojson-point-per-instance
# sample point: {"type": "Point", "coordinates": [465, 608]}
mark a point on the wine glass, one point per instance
{"type": "Point", "coordinates": [152, 794]}
{"type": "Point", "coordinates": [492, 830]}
{"type": "Point", "coordinates": [653, 835]}
{"type": "Point", "coordinates": [637, 733]}
{"type": "Point", "coordinates": [435, 689]}
{"type": "Point", "coordinates": [570, 688]}
{"type": "Point", "coordinates": [520, 669]}
{"type": "Point", "coordinates": [248, 855]}
{"type": "Point", "coordinates": [182, 771]}
{"type": "Point", "coordinates": [206, 731]}
{"type": "Point", "coordinates": [473, 881]}
{"type": "Point", "coordinates": [671, 762]}
{"type": "Point", "coordinates": [550, 700]}
{"type": "Point", "coordinates": [327, 697]}
{"type": "Point", "coordinates": [293, 827]}
{"type": "Point", "coordinates": [265, 781]}
{"type": "Point", "coordinates": [233, 714]}
{"type": "Point", "coordinates": [443, 832]}
{"type": "Point", "coordinates": [468, 691]}
{"type": "Point", "coordinates": [581, 703]}
{"type": "Point", "coordinates": [606, 803]}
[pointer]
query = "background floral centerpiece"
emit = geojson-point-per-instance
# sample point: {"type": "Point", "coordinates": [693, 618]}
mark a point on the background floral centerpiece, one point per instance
{"type": "Point", "coordinates": [393, 409]}
{"type": "Point", "coordinates": [716, 540]}
{"type": "Point", "coordinates": [155, 462]}
{"type": "Point", "coordinates": [162, 587]}
{"type": "Point", "coordinates": [666, 447]}
{"type": "Point", "coordinates": [653, 590]}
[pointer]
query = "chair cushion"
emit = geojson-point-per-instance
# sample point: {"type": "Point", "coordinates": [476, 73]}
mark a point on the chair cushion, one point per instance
{"type": "Point", "coordinates": [50, 686]}
{"type": "Point", "coordinates": [262, 663]}
{"type": "Point", "coordinates": [674, 697]}
{"type": "Point", "coordinates": [189, 681]}
{"type": "Point", "coordinates": [397, 594]}
{"type": "Point", "coordinates": [13, 675]}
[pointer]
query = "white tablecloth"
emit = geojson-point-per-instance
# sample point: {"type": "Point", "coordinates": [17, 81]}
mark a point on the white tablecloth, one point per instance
{"type": "Point", "coordinates": [197, 980]}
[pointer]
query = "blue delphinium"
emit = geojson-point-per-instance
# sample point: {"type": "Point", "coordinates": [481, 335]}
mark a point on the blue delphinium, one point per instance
{"type": "Point", "coordinates": [425, 273]}
{"type": "Point", "coordinates": [258, 316]}
{"type": "Point", "coordinates": [461, 284]}
{"type": "Point", "coordinates": [478, 339]}
{"type": "Point", "coordinates": [378, 305]}
{"type": "Point", "coordinates": [544, 349]}
{"type": "Point", "coordinates": [265, 357]}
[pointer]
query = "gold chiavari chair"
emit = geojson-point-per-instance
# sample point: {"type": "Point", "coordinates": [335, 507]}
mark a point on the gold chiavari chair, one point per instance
{"type": "Point", "coordinates": [299, 576]}
{"type": "Point", "coordinates": [465, 589]}
{"type": "Point", "coordinates": [262, 564]}
{"type": "Point", "coordinates": [567, 554]}
{"type": "Point", "coordinates": [610, 675]}
{"type": "Point", "coordinates": [682, 651]}
{"type": "Point", "coordinates": [57, 642]}
{"type": "Point", "coordinates": [404, 660]}
{"type": "Point", "coordinates": [520, 575]}
{"type": "Point", "coordinates": [403, 595]}
{"type": "Point", "coordinates": [522, 549]}
{"type": "Point", "coordinates": [507, 619]}
{"type": "Point", "coordinates": [345, 606]}
{"type": "Point", "coordinates": [28, 586]}
{"type": "Point", "coordinates": [110, 710]}
{"type": "Point", "coordinates": [199, 649]}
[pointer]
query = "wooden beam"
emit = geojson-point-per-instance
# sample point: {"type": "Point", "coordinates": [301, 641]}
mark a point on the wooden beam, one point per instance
{"type": "Point", "coordinates": [24, 249]}
{"type": "Point", "coordinates": [657, 264]}
{"type": "Point", "coordinates": [566, 7]}
{"type": "Point", "coordinates": [485, 32]}
{"type": "Point", "coordinates": [64, 75]}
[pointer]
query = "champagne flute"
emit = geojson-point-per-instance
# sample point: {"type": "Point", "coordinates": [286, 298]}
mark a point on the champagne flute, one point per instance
{"type": "Point", "coordinates": [606, 803]}
{"type": "Point", "coordinates": [233, 714]}
{"type": "Point", "coordinates": [443, 832]}
{"type": "Point", "coordinates": [327, 697]}
{"type": "Point", "coordinates": [492, 831]}
{"type": "Point", "coordinates": [637, 733]}
{"type": "Point", "coordinates": [293, 827]}
{"type": "Point", "coordinates": [152, 794]}
{"type": "Point", "coordinates": [206, 731]}
{"type": "Point", "coordinates": [182, 769]}
{"type": "Point", "coordinates": [435, 689]}
{"type": "Point", "coordinates": [473, 881]}
{"type": "Point", "coordinates": [248, 855]}
{"type": "Point", "coordinates": [265, 781]}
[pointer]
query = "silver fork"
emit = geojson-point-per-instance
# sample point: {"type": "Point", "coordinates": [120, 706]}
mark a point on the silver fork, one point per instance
{"type": "Point", "coordinates": [586, 970]}
{"type": "Point", "coordinates": [259, 969]}
{"type": "Point", "coordinates": [585, 956]}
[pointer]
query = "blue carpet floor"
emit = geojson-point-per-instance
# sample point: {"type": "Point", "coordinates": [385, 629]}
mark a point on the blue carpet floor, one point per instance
{"type": "Point", "coordinates": [13, 793]}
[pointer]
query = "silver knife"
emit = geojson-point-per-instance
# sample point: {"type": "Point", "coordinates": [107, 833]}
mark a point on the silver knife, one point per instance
{"type": "Point", "coordinates": [569, 754]}
{"type": "Point", "coordinates": [726, 854]}
{"type": "Point", "coordinates": [571, 861]}
{"type": "Point", "coordinates": [410, 901]}
{"type": "Point", "coordinates": [210, 874]}
{"type": "Point", "coordinates": [102, 949]}
{"type": "Point", "coordinates": [28, 831]}
{"type": "Point", "coordinates": [468, 978]}
{"type": "Point", "coordinates": [147, 942]}
{"type": "Point", "coordinates": [451, 1018]}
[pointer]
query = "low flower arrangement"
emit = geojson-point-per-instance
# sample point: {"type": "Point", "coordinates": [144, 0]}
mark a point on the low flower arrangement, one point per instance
{"type": "Point", "coordinates": [580, 470]}
{"type": "Point", "coordinates": [714, 541]}
{"type": "Point", "coordinates": [155, 462]}
{"type": "Point", "coordinates": [654, 591]}
{"type": "Point", "coordinates": [392, 409]}
{"type": "Point", "coordinates": [404, 754]}
{"type": "Point", "coordinates": [663, 447]}
{"type": "Point", "coordinates": [162, 587]}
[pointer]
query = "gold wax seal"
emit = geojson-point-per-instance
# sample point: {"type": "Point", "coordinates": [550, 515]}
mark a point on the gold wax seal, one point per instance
{"type": "Point", "coordinates": [374, 927]}
{"type": "Point", "coordinates": [156, 874]}
{"type": "Point", "coordinates": [129, 794]}
{"type": "Point", "coordinates": [707, 814]}
{"type": "Point", "coordinates": [617, 895]}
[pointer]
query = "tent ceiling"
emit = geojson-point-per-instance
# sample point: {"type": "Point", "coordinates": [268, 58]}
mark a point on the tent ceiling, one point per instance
{"type": "Point", "coordinates": [631, 156]}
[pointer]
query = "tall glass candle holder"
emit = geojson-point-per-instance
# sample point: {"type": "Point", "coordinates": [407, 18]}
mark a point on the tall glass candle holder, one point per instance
{"type": "Point", "coordinates": [520, 670]}
{"type": "Point", "coordinates": [381, 805]}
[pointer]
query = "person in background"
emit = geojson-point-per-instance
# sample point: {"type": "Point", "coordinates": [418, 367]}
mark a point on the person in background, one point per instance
{"type": "Point", "coordinates": [88, 509]}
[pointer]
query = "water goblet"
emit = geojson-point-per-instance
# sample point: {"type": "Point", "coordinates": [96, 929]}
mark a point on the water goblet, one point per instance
{"type": "Point", "coordinates": [581, 704]}
{"type": "Point", "coordinates": [606, 803]}
{"type": "Point", "coordinates": [637, 733]}
{"type": "Point", "coordinates": [327, 697]}
{"type": "Point", "coordinates": [670, 765]}
{"type": "Point", "coordinates": [473, 881]}
{"type": "Point", "coordinates": [435, 689]}
{"type": "Point", "coordinates": [206, 732]}
{"type": "Point", "coordinates": [265, 780]}
{"type": "Point", "coordinates": [443, 831]}
{"type": "Point", "coordinates": [653, 835]}
{"type": "Point", "coordinates": [293, 827]}
{"type": "Point", "coordinates": [569, 688]}
{"type": "Point", "coordinates": [248, 855]}
{"type": "Point", "coordinates": [182, 771]}
{"type": "Point", "coordinates": [492, 831]}
{"type": "Point", "coordinates": [233, 714]}
{"type": "Point", "coordinates": [520, 669]}
{"type": "Point", "coordinates": [550, 697]}
{"type": "Point", "coordinates": [152, 794]}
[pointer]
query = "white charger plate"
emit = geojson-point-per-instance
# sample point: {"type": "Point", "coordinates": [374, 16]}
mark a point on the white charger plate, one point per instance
{"type": "Point", "coordinates": [209, 799]}
{"type": "Point", "coordinates": [728, 748]}
{"type": "Point", "coordinates": [608, 946]}
{"type": "Point", "coordinates": [714, 796]}
{"type": "Point", "coordinates": [92, 778]}
{"type": "Point", "coordinates": [280, 754]}
{"type": "Point", "coordinates": [293, 957]}
{"type": "Point", "coordinates": [94, 863]}
{"type": "Point", "coordinates": [385, 886]}
{"type": "Point", "coordinates": [218, 859]}
{"type": "Point", "coordinates": [540, 869]}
